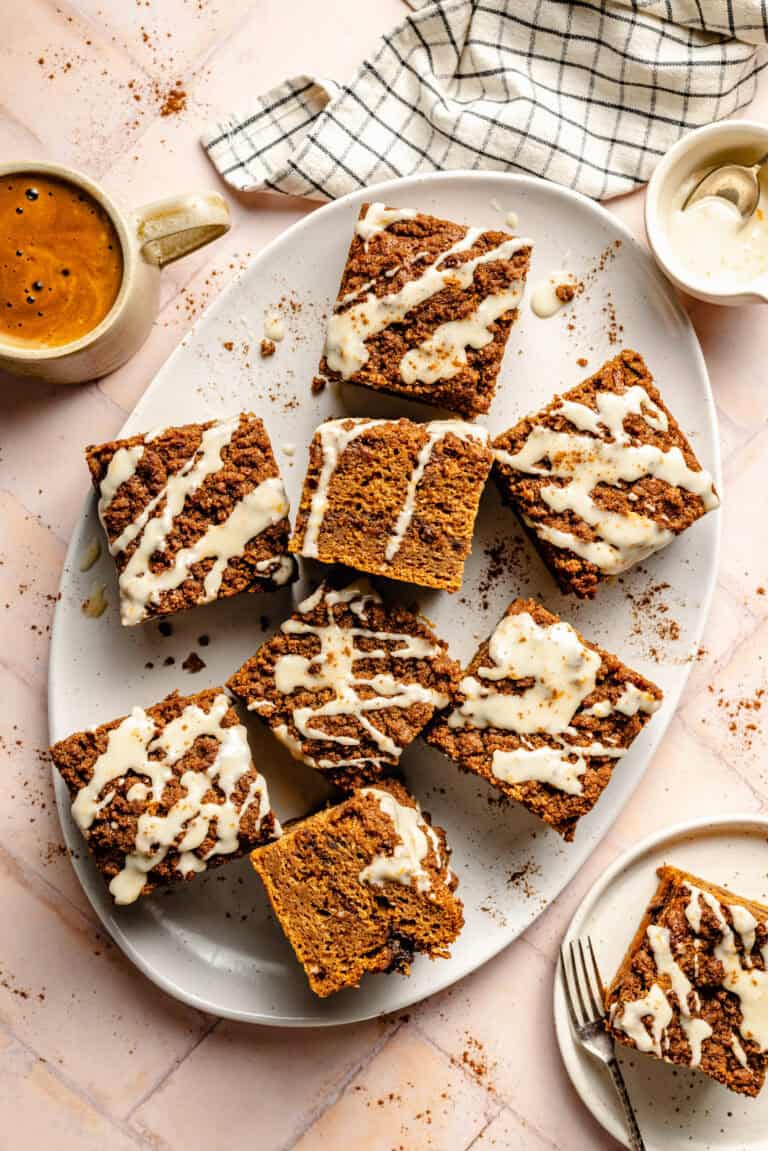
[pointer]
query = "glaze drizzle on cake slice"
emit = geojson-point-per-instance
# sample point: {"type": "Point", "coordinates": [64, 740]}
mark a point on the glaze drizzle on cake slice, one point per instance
{"type": "Point", "coordinates": [394, 498]}
{"type": "Point", "coordinates": [543, 715]}
{"type": "Point", "coordinates": [425, 307]}
{"type": "Point", "coordinates": [362, 887]}
{"type": "Point", "coordinates": [175, 527]}
{"type": "Point", "coordinates": [163, 792]}
{"type": "Point", "coordinates": [348, 683]}
{"type": "Point", "coordinates": [693, 986]}
{"type": "Point", "coordinates": [603, 477]}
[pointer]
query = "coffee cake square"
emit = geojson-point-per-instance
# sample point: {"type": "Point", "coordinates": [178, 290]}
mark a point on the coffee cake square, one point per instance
{"type": "Point", "coordinates": [192, 514]}
{"type": "Point", "coordinates": [394, 498]}
{"type": "Point", "coordinates": [362, 887]}
{"type": "Point", "coordinates": [164, 793]}
{"type": "Point", "coordinates": [692, 988]}
{"type": "Point", "coordinates": [603, 476]}
{"type": "Point", "coordinates": [348, 682]}
{"type": "Point", "coordinates": [544, 716]}
{"type": "Point", "coordinates": [425, 308]}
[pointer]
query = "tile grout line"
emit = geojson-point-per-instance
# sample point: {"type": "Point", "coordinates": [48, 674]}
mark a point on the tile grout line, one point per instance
{"type": "Point", "coordinates": [335, 1094]}
{"type": "Point", "coordinates": [491, 1091]}
{"type": "Point", "coordinates": [71, 1085]}
{"type": "Point", "coordinates": [177, 1063]}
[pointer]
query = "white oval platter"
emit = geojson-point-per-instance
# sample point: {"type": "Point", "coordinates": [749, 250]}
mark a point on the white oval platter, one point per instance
{"type": "Point", "coordinates": [213, 942]}
{"type": "Point", "coordinates": [676, 1108]}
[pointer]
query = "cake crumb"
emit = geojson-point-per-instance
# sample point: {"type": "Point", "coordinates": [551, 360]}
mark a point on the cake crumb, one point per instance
{"type": "Point", "coordinates": [267, 348]}
{"type": "Point", "coordinates": [193, 663]}
{"type": "Point", "coordinates": [318, 385]}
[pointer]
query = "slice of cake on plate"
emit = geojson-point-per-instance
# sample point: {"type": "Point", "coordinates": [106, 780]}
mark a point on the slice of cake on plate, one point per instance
{"type": "Point", "coordinates": [693, 987]}
{"type": "Point", "coordinates": [425, 308]}
{"type": "Point", "coordinates": [192, 514]}
{"type": "Point", "coordinates": [394, 498]}
{"type": "Point", "coordinates": [603, 476]}
{"type": "Point", "coordinates": [544, 715]}
{"type": "Point", "coordinates": [348, 682]}
{"type": "Point", "coordinates": [166, 792]}
{"type": "Point", "coordinates": [362, 887]}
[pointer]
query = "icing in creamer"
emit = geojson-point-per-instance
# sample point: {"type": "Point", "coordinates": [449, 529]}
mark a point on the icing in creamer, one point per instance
{"type": "Point", "coordinates": [406, 863]}
{"type": "Point", "coordinates": [135, 747]}
{"type": "Point", "coordinates": [378, 218]}
{"type": "Point", "coordinates": [586, 460]}
{"type": "Point", "coordinates": [564, 672]}
{"type": "Point", "coordinates": [545, 301]}
{"type": "Point", "coordinates": [254, 513]}
{"type": "Point", "coordinates": [748, 983]}
{"type": "Point", "coordinates": [711, 243]}
{"type": "Point", "coordinates": [335, 436]}
{"type": "Point", "coordinates": [348, 330]}
{"type": "Point", "coordinates": [354, 695]}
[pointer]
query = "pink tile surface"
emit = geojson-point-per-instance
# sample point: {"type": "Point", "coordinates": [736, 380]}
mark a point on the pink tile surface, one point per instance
{"type": "Point", "coordinates": [91, 1055]}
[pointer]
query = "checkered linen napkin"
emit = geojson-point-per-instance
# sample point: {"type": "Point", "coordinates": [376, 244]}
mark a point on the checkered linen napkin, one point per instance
{"type": "Point", "coordinates": [589, 93]}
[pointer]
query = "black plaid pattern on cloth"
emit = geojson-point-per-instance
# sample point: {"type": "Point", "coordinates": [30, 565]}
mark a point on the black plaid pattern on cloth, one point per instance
{"type": "Point", "coordinates": [589, 93]}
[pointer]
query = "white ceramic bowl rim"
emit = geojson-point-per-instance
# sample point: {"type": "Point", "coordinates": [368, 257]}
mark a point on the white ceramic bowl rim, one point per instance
{"type": "Point", "coordinates": [717, 133]}
{"type": "Point", "coordinates": [129, 253]}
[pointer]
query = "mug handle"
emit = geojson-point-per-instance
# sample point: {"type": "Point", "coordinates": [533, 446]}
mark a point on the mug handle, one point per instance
{"type": "Point", "coordinates": [170, 229]}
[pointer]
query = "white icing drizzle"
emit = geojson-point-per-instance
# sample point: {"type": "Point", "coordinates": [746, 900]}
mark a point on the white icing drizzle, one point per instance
{"type": "Point", "coordinates": [748, 983]}
{"type": "Point", "coordinates": [632, 1015]}
{"type": "Point", "coordinates": [545, 301]}
{"type": "Point", "coordinates": [512, 221]}
{"type": "Point", "coordinates": [586, 460]}
{"type": "Point", "coordinates": [561, 767]}
{"type": "Point", "coordinates": [335, 436]}
{"type": "Point", "coordinates": [631, 701]}
{"type": "Point", "coordinates": [90, 554]}
{"type": "Point", "coordinates": [444, 354]}
{"type": "Point", "coordinates": [378, 218]}
{"type": "Point", "coordinates": [436, 430]}
{"type": "Point", "coordinates": [405, 864]}
{"type": "Point", "coordinates": [274, 327]}
{"type": "Point", "coordinates": [345, 346]}
{"type": "Point", "coordinates": [564, 671]}
{"type": "Point", "coordinates": [738, 1050]}
{"type": "Point", "coordinates": [333, 667]}
{"type": "Point", "coordinates": [257, 510]}
{"type": "Point", "coordinates": [188, 821]}
{"type": "Point", "coordinates": [696, 1029]}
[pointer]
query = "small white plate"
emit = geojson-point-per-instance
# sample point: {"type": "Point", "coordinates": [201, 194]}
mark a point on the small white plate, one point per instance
{"type": "Point", "coordinates": [213, 942]}
{"type": "Point", "coordinates": [676, 1108]}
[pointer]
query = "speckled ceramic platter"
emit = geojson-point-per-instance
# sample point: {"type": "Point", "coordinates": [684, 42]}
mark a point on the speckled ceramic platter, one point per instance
{"type": "Point", "coordinates": [676, 1108]}
{"type": "Point", "coordinates": [212, 942]}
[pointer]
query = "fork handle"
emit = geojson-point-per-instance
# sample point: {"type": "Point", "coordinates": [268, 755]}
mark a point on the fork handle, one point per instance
{"type": "Point", "coordinates": [635, 1138]}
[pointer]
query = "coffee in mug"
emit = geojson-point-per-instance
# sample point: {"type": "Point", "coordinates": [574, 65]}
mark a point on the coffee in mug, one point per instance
{"type": "Point", "coordinates": [61, 263]}
{"type": "Point", "coordinates": [79, 275]}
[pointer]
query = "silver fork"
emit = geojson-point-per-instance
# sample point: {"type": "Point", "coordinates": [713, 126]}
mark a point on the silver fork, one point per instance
{"type": "Point", "coordinates": [585, 1007]}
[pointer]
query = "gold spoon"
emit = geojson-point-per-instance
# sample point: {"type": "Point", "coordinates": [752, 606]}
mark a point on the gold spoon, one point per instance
{"type": "Point", "coordinates": [736, 183]}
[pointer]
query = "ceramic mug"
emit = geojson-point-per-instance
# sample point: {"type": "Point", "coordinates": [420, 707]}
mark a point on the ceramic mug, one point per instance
{"type": "Point", "coordinates": [150, 238]}
{"type": "Point", "coordinates": [724, 141]}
